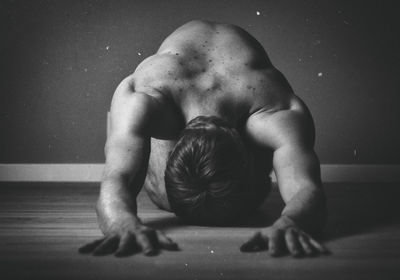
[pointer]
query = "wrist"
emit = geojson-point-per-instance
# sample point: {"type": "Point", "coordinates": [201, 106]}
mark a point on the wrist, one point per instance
{"type": "Point", "coordinates": [114, 221]}
{"type": "Point", "coordinates": [116, 199]}
{"type": "Point", "coordinates": [284, 222]}
{"type": "Point", "coordinates": [111, 214]}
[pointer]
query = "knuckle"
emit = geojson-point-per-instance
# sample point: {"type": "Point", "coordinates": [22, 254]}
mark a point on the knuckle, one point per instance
{"type": "Point", "coordinates": [291, 231]}
{"type": "Point", "coordinates": [265, 231]}
{"type": "Point", "coordinates": [161, 235]}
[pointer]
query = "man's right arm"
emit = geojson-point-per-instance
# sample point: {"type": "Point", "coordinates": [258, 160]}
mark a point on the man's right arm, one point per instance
{"type": "Point", "coordinates": [127, 151]}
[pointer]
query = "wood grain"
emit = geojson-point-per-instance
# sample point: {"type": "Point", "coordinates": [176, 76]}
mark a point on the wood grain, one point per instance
{"type": "Point", "coordinates": [43, 224]}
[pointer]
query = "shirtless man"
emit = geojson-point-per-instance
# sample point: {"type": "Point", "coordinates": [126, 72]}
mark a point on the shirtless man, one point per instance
{"type": "Point", "coordinates": [201, 124]}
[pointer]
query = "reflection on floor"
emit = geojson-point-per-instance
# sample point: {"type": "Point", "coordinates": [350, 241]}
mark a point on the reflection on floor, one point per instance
{"type": "Point", "coordinates": [42, 225]}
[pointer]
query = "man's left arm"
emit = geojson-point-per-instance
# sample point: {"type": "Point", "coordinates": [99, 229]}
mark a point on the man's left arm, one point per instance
{"type": "Point", "coordinates": [290, 133]}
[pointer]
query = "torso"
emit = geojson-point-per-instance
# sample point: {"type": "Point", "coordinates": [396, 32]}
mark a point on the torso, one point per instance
{"type": "Point", "coordinates": [206, 68]}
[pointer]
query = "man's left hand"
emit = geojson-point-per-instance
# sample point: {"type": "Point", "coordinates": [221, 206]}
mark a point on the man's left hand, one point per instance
{"type": "Point", "coordinates": [282, 237]}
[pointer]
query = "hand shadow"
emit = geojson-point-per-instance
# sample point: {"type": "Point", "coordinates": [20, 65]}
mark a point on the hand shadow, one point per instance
{"type": "Point", "coordinates": [359, 208]}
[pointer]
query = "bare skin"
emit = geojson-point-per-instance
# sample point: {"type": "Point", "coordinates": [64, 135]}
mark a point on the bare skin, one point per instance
{"type": "Point", "coordinates": [205, 68]}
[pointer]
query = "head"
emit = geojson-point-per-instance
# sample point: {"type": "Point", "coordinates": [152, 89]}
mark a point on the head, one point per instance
{"type": "Point", "coordinates": [208, 174]}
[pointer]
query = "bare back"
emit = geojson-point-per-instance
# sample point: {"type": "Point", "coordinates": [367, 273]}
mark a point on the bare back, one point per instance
{"type": "Point", "coordinates": [205, 68]}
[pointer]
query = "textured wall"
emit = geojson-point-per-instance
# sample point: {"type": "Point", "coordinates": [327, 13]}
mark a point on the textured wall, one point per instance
{"type": "Point", "coordinates": [61, 61]}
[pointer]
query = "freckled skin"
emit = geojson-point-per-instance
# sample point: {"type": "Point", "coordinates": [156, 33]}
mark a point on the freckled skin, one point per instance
{"type": "Point", "coordinates": [202, 55]}
{"type": "Point", "coordinates": [207, 68]}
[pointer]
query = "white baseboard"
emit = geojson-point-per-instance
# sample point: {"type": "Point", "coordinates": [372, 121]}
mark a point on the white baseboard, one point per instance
{"type": "Point", "coordinates": [50, 172]}
{"type": "Point", "coordinates": [93, 172]}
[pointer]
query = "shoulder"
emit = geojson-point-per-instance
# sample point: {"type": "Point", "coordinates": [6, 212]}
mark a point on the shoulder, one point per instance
{"type": "Point", "coordinates": [132, 110]}
{"type": "Point", "coordinates": [159, 70]}
{"type": "Point", "coordinates": [144, 111]}
{"type": "Point", "coordinates": [289, 126]}
{"type": "Point", "coordinates": [274, 92]}
{"type": "Point", "coordinates": [157, 64]}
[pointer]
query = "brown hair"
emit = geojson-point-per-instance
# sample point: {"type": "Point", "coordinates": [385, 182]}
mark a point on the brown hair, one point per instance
{"type": "Point", "coordinates": [207, 174]}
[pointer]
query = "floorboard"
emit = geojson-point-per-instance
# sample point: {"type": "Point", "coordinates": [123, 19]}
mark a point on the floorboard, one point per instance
{"type": "Point", "coordinates": [43, 224]}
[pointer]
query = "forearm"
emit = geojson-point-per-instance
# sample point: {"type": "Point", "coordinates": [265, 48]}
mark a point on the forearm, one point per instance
{"type": "Point", "coordinates": [299, 180]}
{"type": "Point", "coordinates": [124, 173]}
{"type": "Point", "coordinates": [116, 196]}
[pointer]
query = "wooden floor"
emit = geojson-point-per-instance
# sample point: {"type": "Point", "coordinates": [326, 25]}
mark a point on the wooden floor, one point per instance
{"type": "Point", "coordinates": [42, 226]}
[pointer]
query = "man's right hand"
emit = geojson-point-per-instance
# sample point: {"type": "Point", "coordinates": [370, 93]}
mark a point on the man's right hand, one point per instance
{"type": "Point", "coordinates": [127, 237]}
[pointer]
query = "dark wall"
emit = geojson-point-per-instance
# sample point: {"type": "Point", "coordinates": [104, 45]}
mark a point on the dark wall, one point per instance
{"type": "Point", "coordinates": [61, 61]}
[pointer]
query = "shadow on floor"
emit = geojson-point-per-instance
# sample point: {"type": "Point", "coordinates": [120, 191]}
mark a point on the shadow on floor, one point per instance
{"type": "Point", "coordinates": [353, 209]}
{"type": "Point", "coordinates": [360, 208]}
{"type": "Point", "coordinates": [263, 217]}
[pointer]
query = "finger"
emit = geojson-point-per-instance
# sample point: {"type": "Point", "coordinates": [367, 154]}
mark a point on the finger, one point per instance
{"type": "Point", "coordinates": [274, 243]}
{"type": "Point", "coordinates": [107, 246]}
{"type": "Point", "coordinates": [256, 243]}
{"type": "Point", "coordinates": [127, 246]}
{"type": "Point", "coordinates": [146, 242]}
{"type": "Point", "coordinates": [89, 247]}
{"type": "Point", "coordinates": [166, 242]}
{"type": "Point", "coordinates": [305, 244]}
{"type": "Point", "coordinates": [321, 248]}
{"type": "Point", "coordinates": [292, 243]}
